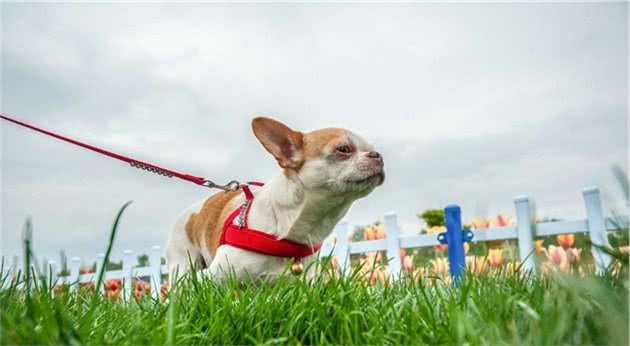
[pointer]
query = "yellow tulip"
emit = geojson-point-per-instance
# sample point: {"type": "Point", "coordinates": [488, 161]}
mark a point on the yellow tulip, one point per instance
{"type": "Point", "coordinates": [538, 246]}
{"type": "Point", "coordinates": [334, 262]}
{"type": "Point", "coordinates": [380, 231]}
{"type": "Point", "coordinates": [480, 223]}
{"type": "Point", "coordinates": [512, 267]}
{"type": "Point", "coordinates": [436, 229]}
{"type": "Point", "coordinates": [369, 233]}
{"type": "Point", "coordinates": [440, 266]}
{"type": "Point", "coordinates": [476, 264]}
{"type": "Point", "coordinates": [408, 263]}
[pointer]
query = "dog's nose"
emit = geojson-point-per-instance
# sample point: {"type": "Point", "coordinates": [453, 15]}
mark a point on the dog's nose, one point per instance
{"type": "Point", "coordinates": [374, 155]}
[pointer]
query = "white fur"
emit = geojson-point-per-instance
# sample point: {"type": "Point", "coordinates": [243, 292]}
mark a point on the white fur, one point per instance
{"type": "Point", "coordinates": [303, 206]}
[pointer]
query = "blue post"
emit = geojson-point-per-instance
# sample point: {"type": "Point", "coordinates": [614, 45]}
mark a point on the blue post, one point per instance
{"type": "Point", "coordinates": [455, 240]}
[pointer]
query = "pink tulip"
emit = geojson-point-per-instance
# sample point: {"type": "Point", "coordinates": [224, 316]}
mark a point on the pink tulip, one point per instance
{"type": "Point", "coordinates": [408, 263]}
{"type": "Point", "coordinates": [574, 255]}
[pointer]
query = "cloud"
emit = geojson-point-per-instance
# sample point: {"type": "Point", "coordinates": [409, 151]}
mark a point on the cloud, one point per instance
{"type": "Point", "coordinates": [470, 104]}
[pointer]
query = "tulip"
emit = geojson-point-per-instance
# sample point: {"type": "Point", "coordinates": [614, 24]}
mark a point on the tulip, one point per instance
{"type": "Point", "coordinates": [566, 240]}
{"type": "Point", "coordinates": [440, 265]}
{"type": "Point", "coordinates": [466, 248]}
{"type": "Point", "coordinates": [502, 221]}
{"type": "Point", "coordinates": [380, 231]}
{"type": "Point", "coordinates": [163, 291]}
{"type": "Point", "coordinates": [625, 249]}
{"type": "Point", "coordinates": [377, 275]}
{"type": "Point", "coordinates": [558, 257]}
{"type": "Point", "coordinates": [350, 236]}
{"type": "Point", "coordinates": [420, 272]}
{"type": "Point", "coordinates": [334, 262]}
{"type": "Point", "coordinates": [436, 229]}
{"type": "Point", "coordinates": [480, 223]}
{"type": "Point", "coordinates": [369, 233]}
{"type": "Point", "coordinates": [86, 270]}
{"type": "Point", "coordinates": [147, 288]}
{"type": "Point", "coordinates": [403, 253]}
{"type": "Point", "coordinates": [538, 246]}
{"type": "Point", "coordinates": [512, 267]}
{"type": "Point", "coordinates": [408, 263]}
{"type": "Point", "coordinates": [495, 257]}
{"type": "Point", "coordinates": [573, 255]}
{"type": "Point", "coordinates": [477, 264]}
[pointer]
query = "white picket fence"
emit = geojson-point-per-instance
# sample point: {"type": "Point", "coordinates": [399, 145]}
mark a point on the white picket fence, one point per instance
{"type": "Point", "coordinates": [525, 230]}
{"type": "Point", "coordinates": [595, 224]}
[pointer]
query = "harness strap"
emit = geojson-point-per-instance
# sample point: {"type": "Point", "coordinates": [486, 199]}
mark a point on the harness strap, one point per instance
{"type": "Point", "coordinates": [243, 237]}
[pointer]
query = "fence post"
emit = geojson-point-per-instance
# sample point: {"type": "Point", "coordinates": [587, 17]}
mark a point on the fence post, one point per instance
{"type": "Point", "coordinates": [596, 227]}
{"type": "Point", "coordinates": [524, 219]}
{"type": "Point", "coordinates": [127, 266]}
{"type": "Point", "coordinates": [455, 241]}
{"type": "Point", "coordinates": [341, 250]}
{"type": "Point", "coordinates": [155, 262]}
{"type": "Point", "coordinates": [393, 245]}
{"type": "Point", "coordinates": [75, 273]}
{"type": "Point", "coordinates": [100, 263]}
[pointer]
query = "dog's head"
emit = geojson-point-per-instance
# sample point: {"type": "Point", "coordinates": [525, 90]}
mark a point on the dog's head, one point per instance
{"type": "Point", "coordinates": [333, 161]}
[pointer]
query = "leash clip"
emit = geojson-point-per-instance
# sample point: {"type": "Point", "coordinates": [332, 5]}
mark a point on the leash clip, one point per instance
{"type": "Point", "coordinates": [231, 186]}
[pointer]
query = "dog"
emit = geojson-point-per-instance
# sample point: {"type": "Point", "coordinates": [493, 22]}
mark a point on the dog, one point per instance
{"type": "Point", "coordinates": [323, 173]}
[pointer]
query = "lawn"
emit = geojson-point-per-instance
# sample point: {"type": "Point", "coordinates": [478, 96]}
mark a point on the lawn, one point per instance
{"type": "Point", "coordinates": [491, 308]}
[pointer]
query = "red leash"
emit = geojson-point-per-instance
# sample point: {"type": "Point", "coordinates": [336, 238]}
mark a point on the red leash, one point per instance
{"type": "Point", "coordinates": [232, 185]}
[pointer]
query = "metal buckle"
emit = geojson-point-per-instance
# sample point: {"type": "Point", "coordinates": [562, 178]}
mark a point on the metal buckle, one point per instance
{"type": "Point", "coordinates": [231, 186]}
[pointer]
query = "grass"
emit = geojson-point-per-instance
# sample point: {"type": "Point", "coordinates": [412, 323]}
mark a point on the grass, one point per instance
{"type": "Point", "coordinates": [485, 309]}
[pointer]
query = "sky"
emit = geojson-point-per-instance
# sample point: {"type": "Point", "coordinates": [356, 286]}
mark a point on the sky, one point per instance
{"type": "Point", "coordinates": [470, 104]}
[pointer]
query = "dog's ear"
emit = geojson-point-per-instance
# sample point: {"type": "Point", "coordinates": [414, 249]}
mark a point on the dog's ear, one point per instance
{"type": "Point", "coordinates": [282, 142]}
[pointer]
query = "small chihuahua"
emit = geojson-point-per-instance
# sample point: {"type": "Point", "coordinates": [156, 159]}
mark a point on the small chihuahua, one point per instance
{"type": "Point", "coordinates": [323, 173]}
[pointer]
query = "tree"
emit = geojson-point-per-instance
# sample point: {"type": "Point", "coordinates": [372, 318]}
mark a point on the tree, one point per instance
{"type": "Point", "coordinates": [143, 260]}
{"type": "Point", "coordinates": [433, 217]}
{"type": "Point", "coordinates": [357, 235]}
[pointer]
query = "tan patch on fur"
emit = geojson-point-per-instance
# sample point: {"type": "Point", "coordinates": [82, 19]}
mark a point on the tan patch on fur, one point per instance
{"type": "Point", "coordinates": [316, 141]}
{"type": "Point", "coordinates": [204, 228]}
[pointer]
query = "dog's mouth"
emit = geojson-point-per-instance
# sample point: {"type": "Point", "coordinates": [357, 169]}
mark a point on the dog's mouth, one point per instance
{"type": "Point", "coordinates": [373, 180]}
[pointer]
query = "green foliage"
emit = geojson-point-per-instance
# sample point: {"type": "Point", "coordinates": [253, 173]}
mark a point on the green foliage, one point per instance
{"type": "Point", "coordinates": [357, 235]}
{"type": "Point", "coordinates": [497, 308]}
{"type": "Point", "coordinates": [433, 217]}
{"type": "Point", "coordinates": [486, 309]}
{"type": "Point", "coordinates": [143, 260]}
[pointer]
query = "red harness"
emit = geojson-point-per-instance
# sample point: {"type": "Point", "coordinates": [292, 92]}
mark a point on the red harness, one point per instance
{"type": "Point", "coordinates": [243, 237]}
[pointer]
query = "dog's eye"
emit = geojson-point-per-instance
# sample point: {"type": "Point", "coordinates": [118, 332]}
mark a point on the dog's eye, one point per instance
{"type": "Point", "coordinates": [344, 149]}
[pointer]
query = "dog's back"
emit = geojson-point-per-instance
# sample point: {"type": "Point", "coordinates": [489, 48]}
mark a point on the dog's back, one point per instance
{"type": "Point", "coordinates": [195, 237]}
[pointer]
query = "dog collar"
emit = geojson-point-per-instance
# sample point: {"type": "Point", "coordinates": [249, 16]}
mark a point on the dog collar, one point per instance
{"type": "Point", "coordinates": [243, 237]}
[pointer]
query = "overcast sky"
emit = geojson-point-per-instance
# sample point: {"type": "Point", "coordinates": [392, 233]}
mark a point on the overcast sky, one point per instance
{"type": "Point", "coordinates": [471, 104]}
